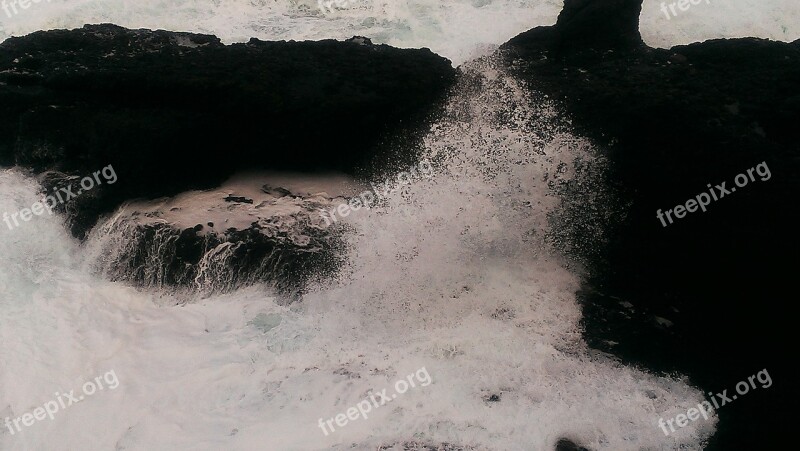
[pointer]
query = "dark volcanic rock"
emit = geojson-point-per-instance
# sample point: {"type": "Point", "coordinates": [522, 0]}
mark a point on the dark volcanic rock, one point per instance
{"type": "Point", "coordinates": [249, 237]}
{"type": "Point", "coordinates": [177, 111]}
{"type": "Point", "coordinates": [586, 25]}
{"type": "Point", "coordinates": [568, 445]}
{"type": "Point", "coordinates": [674, 122]}
{"type": "Point", "coordinates": [161, 256]}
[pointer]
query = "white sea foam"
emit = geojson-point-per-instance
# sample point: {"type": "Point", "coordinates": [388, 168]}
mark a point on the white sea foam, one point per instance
{"type": "Point", "coordinates": [460, 274]}
{"type": "Point", "coordinates": [771, 19]}
{"type": "Point", "coordinates": [457, 29]}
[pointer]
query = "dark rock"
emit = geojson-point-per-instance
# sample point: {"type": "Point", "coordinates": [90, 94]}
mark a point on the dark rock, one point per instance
{"type": "Point", "coordinates": [250, 257]}
{"type": "Point", "coordinates": [177, 111]}
{"type": "Point", "coordinates": [599, 24]}
{"type": "Point", "coordinates": [678, 58]}
{"type": "Point", "coordinates": [568, 445]}
{"type": "Point", "coordinates": [280, 242]}
{"type": "Point", "coordinates": [241, 200]}
{"type": "Point", "coordinates": [585, 26]}
{"type": "Point", "coordinates": [674, 121]}
{"type": "Point", "coordinates": [361, 40]}
{"type": "Point", "coordinates": [160, 256]}
{"type": "Point", "coordinates": [276, 191]}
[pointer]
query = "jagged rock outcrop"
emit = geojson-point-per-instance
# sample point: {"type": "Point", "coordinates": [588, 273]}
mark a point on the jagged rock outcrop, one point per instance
{"type": "Point", "coordinates": [178, 111]}
{"type": "Point", "coordinates": [585, 25]}
{"type": "Point", "coordinates": [263, 228]}
{"type": "Point", "coordinates": [674, 121]}
{"type": "Point", "coordinates": [170, 113]}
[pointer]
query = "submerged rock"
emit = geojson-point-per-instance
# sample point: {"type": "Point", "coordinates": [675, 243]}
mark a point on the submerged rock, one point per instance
{"type": "Point", "coordinates": [280, 241]}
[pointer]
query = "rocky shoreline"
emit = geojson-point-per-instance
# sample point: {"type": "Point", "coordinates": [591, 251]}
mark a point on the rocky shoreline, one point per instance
{"type": "Point", "coordinates": [177, 111]}
{"type": "Point", "coordinates": [704, 296]}
{"type": "Point", "coordinates": [178, 114]}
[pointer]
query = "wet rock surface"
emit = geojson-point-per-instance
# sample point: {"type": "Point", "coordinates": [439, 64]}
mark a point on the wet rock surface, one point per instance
{"type": "Point", "coordinates": [177, 111]}
{"type": "Point", "coordinates": [674, 121]}
{"type": "Point", "coordinates": [217, 240]}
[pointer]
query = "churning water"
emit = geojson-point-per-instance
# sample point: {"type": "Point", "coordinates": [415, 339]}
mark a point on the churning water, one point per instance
{"type": "Point", "coordinates": [465, 274]}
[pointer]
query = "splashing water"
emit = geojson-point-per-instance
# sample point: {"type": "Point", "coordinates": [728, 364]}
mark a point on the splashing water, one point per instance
{"type": "Point", "coordinates": [459, 274]}
{"type": "Point", "coordinates": [457, 29]}
{"type": "Point", "coordinates": [464, 274]}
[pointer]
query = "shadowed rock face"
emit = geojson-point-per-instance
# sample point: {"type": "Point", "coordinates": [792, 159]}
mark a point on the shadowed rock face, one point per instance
{"type": "Point", "coordinates": [599, 23]}
{"type": "Point", "coordinates": [674, 121]}
{"type": "Point", "coordinates": [567, 445]}
{"type": "Point", "coordinates": [586, 25]}
{"type": "Point", "coordinates": [178, 111]}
